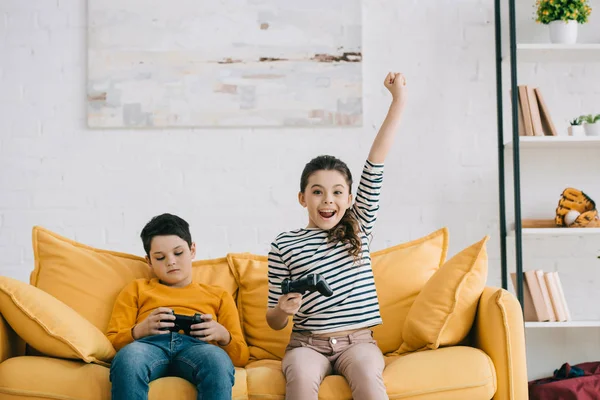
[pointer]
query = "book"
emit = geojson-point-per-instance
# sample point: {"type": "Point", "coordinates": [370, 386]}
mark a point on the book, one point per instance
{"type": "Point", "coordinates": [555, 298]}
{"type": "Point", "coordinates": [534, 109]}
{"type": "Point", "coordinates": [529, 312]}
{"type": "Point", "coordinates": [562, 296]}
{"type": "Point", "coordinates": [545, 294]}
{"type": "Point", "coordinates": [547, 124]}
{"type": "Point", "coordinates": [537, 297]}
{"type": "Point", "coordinates": [524, 103]}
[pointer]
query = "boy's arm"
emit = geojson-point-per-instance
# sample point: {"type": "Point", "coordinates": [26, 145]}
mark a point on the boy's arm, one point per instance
{"type": "Point", "coordinates": [228, 316]}
{"type": "Point", "coordinates": [123, 318]}
{"type": "Point", "coordinates": [395, 83]}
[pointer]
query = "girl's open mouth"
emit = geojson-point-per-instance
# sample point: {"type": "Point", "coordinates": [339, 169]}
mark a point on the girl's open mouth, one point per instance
{"type": "Point", "coordinates": [327, 214]}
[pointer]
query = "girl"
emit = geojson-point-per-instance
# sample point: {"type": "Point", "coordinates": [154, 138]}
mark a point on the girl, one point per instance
{"type": "Point", "coordinates": [332, 334]}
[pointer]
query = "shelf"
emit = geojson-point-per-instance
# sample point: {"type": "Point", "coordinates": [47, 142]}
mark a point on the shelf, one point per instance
{"type": "Point", "coordinates": [567, 324]}
{"type": "Point", "coordinates": [556, 232]}
{"type": "Point", "coordinates": [548, 52]}
{"type": "Point", "coordinates": [557, 142]}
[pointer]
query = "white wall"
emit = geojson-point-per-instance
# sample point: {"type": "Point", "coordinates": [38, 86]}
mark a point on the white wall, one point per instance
{"type": "Point", "coordinates": [238, 188]}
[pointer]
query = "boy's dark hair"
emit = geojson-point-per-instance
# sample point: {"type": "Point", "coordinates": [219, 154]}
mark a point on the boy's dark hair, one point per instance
{"type": "Point", "coordinates": [165, 225]}
{"type": "Point", "coordinates": [346, 231]}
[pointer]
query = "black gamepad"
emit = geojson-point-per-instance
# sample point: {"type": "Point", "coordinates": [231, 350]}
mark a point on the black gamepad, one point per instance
{"type": "Point", "coordinates": [183, 322]}
{"type": "Point", "coordinates": [310, 283]}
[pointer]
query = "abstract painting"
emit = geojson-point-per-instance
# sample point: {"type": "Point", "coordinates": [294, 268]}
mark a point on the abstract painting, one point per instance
{"type": "Point", "coordinates": [224, 63]}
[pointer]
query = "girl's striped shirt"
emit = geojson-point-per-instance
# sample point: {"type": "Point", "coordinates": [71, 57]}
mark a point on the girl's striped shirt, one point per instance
{"type": "Point", "coordinates": [294, 254]}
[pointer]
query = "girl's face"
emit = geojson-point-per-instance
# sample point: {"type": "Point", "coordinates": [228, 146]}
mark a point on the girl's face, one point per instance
{"type": "Point", "coordinates": [327, 197]}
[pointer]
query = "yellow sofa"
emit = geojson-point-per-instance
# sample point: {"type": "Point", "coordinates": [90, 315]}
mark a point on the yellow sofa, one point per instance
{"type": "Point", "coordinates": [445, 334]}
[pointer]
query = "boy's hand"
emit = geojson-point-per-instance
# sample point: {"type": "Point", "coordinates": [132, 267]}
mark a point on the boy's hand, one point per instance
{"type": "Point", "coordinates": [290, 303]}
{"type": "Point", "coordinates": [155, 324]}
{"type": "Point", "coordinates": [395, 82]}
{"type": "Point", "coordinates": [210, 331]}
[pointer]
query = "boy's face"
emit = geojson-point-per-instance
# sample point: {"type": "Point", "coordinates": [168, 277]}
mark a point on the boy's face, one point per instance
{"type": "Point", "coordinates": [327, 197]}
{"type": "Point", "coordinates": [171, 260]}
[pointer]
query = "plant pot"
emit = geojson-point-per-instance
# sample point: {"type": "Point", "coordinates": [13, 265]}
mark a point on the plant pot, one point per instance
{"type": "Point", "coordinates": [576, 130]}
{"type": "Point", "coordinates": [592, 129]}
{"type": "Point", "coordinates": [562, 32]}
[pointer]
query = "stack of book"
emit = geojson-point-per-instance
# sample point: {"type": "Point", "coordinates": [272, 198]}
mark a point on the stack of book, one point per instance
{"type": "Point", "coordinates": [543, 297]}
{"type": "Point", "coordinates": [534, 116]}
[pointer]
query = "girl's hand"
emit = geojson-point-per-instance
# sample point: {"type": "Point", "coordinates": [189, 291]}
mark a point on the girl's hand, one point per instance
{"type": "Point", "coordinates": [290, 303]}
{"type": "Point", "coordinates": [155, 324]}
{"type": "Point", "coordinates": [395, 82]}
{"type": "Point", "coordinates": [210, 330]}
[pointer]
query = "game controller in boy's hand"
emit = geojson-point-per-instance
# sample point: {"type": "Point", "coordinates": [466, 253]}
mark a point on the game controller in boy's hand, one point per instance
{"type": "Point", "coordinates": [184, 322]}
{"type": "Point", "coordinates": [310, 283]}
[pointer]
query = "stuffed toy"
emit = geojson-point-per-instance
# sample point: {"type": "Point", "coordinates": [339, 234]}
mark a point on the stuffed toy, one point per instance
{"type": "Point", "coordinates": [576, 210]}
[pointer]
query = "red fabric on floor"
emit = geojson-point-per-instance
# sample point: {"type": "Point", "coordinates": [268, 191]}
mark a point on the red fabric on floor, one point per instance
{"type": "Point", "coordinates": [579, 388]}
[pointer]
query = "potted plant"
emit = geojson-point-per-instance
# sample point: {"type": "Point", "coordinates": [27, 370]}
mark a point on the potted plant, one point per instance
{"type": "Point", "coordinates": [562, 17]}
{"type": "Point", "coordinates": [576, 128]}
{"type": "Point", "coordinates": [592, 124]}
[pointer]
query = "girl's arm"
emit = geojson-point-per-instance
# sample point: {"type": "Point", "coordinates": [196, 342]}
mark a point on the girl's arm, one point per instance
{"type": "Point", "coordinates": [280, 306]}
{"type": "Point", "coordinates": [396, 84]}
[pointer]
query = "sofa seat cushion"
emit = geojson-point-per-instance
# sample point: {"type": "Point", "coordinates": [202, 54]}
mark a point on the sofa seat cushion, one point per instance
{"type": "Point", "coordinates": [53, 378]}
{"type": "Point", "coordinates": [448, 373]}
{"type": "Point", "coordinates": [180, 389]}
{"type": "Point", "coordinates": [457, 372]}
{"type": "Point", "coordinates": [30, 377]}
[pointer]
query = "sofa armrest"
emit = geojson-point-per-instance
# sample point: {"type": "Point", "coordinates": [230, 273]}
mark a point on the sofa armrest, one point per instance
{"type": "Point", "coordinates": [11, 345]}
{"type": "Point", "coordinates": [499, 331]}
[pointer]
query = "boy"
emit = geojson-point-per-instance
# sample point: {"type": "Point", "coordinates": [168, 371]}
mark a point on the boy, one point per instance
{"type": "Point", "coordinates": [143, 314]}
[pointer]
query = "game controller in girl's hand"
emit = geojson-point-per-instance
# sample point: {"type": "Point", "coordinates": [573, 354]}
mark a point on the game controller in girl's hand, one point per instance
{"type": "Point", "coordinates": [310, 283]}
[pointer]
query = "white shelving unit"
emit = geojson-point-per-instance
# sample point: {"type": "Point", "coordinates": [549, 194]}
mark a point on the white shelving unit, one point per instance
{"type": "Point", "coordinates": [568, 324]}
{"type": "Point", "coordinates": [555, 232]}
{"type": "Point", "coordinates": [556, 142]}
{"type": "Point", "coordinates": [548, 52]}
{"type": "Point", "coordinates": [543, 53]}
{"type": "Point", "coordinates": [560, 72]}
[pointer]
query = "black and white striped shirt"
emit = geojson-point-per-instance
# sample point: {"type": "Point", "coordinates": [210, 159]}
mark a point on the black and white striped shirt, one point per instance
{"type": "Point", "coordinates": [294, 254]}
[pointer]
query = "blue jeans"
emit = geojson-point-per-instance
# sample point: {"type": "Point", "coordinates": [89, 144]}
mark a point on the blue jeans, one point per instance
{"type": "Point", "coordinates": [206, 366]}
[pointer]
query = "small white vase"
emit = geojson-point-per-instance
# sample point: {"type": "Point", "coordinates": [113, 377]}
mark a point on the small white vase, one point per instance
{"type": "Point", "coordinates": [562, 32]}
{"type": "Point", "coordinates": [592, 129]}
{"type": "Point", "coordinates": [576, 130]}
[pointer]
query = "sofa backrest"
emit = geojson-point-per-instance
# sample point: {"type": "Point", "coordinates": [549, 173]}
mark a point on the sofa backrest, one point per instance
{"type": "Point", "coordinates": [89, 279]}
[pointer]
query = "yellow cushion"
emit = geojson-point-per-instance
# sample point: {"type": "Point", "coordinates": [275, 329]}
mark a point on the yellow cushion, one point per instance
{"type": "Point", "coordinates": [180, 389]}
{"type": "Point", "coordinates": [40, 378]}
{"type": "Point", "coordinates": [51, 378]}
{"type": "Point", "coordinates": [266, 381]}
{"type": "Point", "coordinates": [50, 326]}
{"type": "Point", "coordinates": [400, 274]}
{"type": "Point", "coordinates": [251, 274]}
{"type": "Point", "coordinates": [89, 279]}
{"type": "Point", "coordinates": [444, 311]}
{"type": "Point", "coordinates": [450, 373]}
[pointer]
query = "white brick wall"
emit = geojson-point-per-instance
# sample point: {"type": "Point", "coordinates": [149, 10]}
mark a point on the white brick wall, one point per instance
{"type": "Point", "coordinates": [238, 187]}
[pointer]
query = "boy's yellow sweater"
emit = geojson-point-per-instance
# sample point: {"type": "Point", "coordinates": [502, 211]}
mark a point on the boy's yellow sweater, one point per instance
{"type": "Point", "coordinates": [138, 299]}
